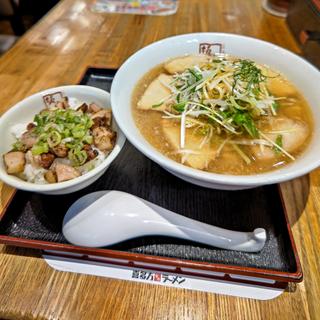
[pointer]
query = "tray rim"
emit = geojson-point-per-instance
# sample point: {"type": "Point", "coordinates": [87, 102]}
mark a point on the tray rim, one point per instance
{"type": "Point", "coordinates": [88, 67]}
{"type": "Point", "coordinates": [282, 276]}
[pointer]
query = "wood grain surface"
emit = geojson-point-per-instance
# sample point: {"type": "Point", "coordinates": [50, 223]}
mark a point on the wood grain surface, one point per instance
{"type": "Point", "coordinates": [56, 52]}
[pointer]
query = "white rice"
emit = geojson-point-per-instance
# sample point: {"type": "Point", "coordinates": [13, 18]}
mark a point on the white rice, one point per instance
{"type": "Point", "coordinates": [18, 130]}
{"type": "Point", "coordinates": [88, 166]}
{"type": "Point", "coordinates": [74, 103]}
{"type": "Point", "coordinates": [34, 175]}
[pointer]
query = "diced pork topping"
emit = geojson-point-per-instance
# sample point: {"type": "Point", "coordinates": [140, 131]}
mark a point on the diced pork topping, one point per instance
{"type": "Point", "coordinates": [65, 172]}
{"type": "Point", "coordinates": [14, 162]}
{"type": "Point", "coordinates": [103, 138]}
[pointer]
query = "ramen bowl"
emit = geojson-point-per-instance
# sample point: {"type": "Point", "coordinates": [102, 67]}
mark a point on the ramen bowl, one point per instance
{"type": "Point", "coordinates": [23, 113]}
{"type": "Point", "coordinates": [298, 71]}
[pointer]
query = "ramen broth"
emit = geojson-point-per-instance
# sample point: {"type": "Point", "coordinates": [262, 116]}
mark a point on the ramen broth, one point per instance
{"type": "Point", "coordinates": [217, 154]}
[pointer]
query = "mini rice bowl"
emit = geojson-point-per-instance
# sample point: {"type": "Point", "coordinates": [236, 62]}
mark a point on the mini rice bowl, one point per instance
{"type": "Point", "coordinates": [23, 113]}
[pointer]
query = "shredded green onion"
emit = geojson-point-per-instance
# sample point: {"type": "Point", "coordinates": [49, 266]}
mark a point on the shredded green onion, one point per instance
{"type": "Point", "coordinates": [40, 148]}
{"type": "Point", "coordinates": [229, 96]}
{"type": "Point", "coordinates": [179, 106]}
{"type": "Point", "coordinates": [279, 143]}
{"type": "Point", "coordinates": [157, 105]}
{"type": "Point", "coordinates": [241, 153]}
{"type": "Point", "coordinates": [54, 138]}
{"type": "Point", "coordinates": [77, 157]}
{"type": "Point", "coordinates": [55, 125]}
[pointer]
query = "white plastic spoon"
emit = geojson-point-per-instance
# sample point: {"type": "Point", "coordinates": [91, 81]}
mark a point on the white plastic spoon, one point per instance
{"type": "Point", "coordinates": [104, 218]}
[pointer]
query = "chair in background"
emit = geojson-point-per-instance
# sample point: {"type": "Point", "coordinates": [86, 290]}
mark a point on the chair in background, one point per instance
{"type": "Point", "coordinates": [9, 10]}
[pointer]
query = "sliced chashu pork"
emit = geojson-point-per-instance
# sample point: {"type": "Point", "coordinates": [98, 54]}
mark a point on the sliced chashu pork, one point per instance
{"type": "Point", "coordinates": [179, 65]}
{"type": "Point", "coordinates": [294, 134]}
{"type": "Point", "coordinates": [277, 84]}
{"type": "Point", "coordinates": [156, 92]}
{"type": "Point", "coordinates": [201, 158]}
{"type": "Point", "coordinates": [281, 87]}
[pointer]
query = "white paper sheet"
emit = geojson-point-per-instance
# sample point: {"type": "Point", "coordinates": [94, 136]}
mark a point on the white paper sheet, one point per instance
{"type": "Point", "coordinates": [161, 278]}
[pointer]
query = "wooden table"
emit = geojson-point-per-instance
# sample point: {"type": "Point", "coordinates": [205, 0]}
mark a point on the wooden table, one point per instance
{"type": "Point", "coordinates": [56, 52]}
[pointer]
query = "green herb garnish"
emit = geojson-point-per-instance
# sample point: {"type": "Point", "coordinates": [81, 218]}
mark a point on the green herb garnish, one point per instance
{"type": "Point", "coordinates": [18, 146]}
{"type": "Point", "coordinates": [279, 143]}
{"type": "Point", "coordinates": [195, 74]}
{"type": "Point", "coordinates": [179, 106]}
{"type": "Point", "coordinates": [275, 106]}
{"type": "Point", "coordinates": [245, 121]}
{"type": "Point", "coordinates": [229, 96]}
{"type": "Point", "coordinates": [248, 72]}
{"type": "Point", "coordinates": [157, 105]}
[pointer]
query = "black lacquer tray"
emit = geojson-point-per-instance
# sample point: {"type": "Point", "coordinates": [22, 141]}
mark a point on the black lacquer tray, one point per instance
{"type": "Point", "coordinates": [34, 220]}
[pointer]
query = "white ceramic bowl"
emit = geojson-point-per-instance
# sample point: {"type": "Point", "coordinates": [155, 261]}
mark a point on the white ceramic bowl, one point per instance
{"type": "Point", "coordinates": [24, 111]}
{"type": "Point", "coordinates": [300, 72]}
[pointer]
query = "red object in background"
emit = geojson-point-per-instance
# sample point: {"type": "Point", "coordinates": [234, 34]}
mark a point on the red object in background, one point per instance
{"type": "Point", "coordinates": [316, 3]}
{"type": "Point", "coordinates": [277, 8]}
{"type": "Point", "coordinates": [279, 5]}
{"type": "Point", "coordinates": [304, 21]}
